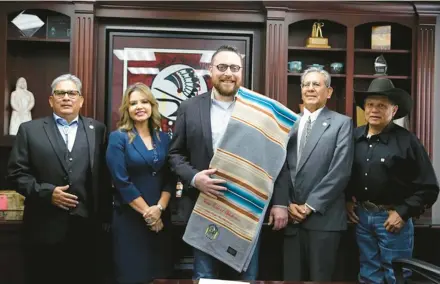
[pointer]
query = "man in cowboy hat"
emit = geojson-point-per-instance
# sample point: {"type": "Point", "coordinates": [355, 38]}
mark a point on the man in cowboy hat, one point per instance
{"type": "Point", "coordinates": [392, 181]}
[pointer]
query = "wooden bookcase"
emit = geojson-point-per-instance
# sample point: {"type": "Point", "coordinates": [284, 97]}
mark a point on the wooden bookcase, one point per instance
{"type": "Point", "coordinates": [337, 35]}
{"type": "Point", "coordinates": [39, 59]}
{"type": "Point", "coordinates": [348, 27]}
{"type": "Point", "coordinates": [358, 50]}
{"type": "Point", "coordinates": [399, 59]}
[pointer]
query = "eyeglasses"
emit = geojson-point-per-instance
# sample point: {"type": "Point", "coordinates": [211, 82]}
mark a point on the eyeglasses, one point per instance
{"type": "Point", "coordinates": [307, 84]}
{"type": "Point", "coordinates": [223, 67]}
{"type": "Point", "coordinates": [60, 94]}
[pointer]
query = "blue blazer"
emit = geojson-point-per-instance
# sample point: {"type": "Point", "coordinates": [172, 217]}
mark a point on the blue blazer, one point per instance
{"type": "Point", "coordinates": [137, 171]}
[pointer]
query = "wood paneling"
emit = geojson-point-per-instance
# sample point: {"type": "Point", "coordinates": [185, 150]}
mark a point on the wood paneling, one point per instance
{"type": "Point", "coordinates": [424, 97]}
{"type": "Point", "coordinates": [346, 7]}
{"type": "Point", "coordinates": [4, 101]}
{"type": "Point", "coordinates": [211, 11]}
{"type": "Point", "coordinates": [11, 258]}
{"type": "Point", "coordinates": [83, 50]}
{"type": "Point", "coordinates": [425, 85]}
{"type": "Point", "coordinates": [349, 65]}
{"type": "Point", "coordinates": [276, 56]}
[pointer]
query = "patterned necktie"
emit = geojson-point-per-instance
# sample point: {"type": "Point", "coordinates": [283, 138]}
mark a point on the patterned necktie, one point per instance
{"type": "Point", "coordinates": [305, 135]}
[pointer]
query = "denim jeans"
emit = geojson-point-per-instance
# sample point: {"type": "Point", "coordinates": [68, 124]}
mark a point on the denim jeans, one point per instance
{"type": "Point", "coordinates": [378, 247]}
{"type": "Point", "coordinates": [206, 266]}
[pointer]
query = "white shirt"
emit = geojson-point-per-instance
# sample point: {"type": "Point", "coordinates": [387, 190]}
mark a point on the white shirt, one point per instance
{"type": "Point", "coordinates": [303, 121]}
{"type": "Point", "coordinates": [67, 132]}
{"type": "Point", "coordinates": [220, 115]}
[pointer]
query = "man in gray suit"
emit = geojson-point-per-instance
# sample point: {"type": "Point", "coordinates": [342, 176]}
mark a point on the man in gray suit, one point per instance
{"type": "Point", "coordinates": [316, 172]}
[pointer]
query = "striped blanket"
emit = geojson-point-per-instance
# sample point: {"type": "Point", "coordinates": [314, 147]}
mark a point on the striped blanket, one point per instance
{"type": "Point", "coordinates": [249, 158]}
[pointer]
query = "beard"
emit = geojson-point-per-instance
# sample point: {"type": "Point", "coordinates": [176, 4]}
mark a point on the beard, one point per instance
{"type": "Point", "coordinates": [223, 90]}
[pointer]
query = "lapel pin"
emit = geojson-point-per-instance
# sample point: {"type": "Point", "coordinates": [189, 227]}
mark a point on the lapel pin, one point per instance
{"type": "Point", "coordinates": [324, 123]}
{"type": "Point", "coordinates": [382, 160]}
{"type": "Point", "coordinates": [91, 126]}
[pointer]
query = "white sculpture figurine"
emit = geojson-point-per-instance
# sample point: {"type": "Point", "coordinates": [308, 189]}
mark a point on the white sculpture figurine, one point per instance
{"type": "Point", "coordinates": [22, 102]}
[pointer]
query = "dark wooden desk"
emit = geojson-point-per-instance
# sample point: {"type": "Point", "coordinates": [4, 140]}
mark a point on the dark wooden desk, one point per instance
{"type": "Point", "coordinates": [426, 248]}
{"type": "Point", "coordinates": [187, 281]}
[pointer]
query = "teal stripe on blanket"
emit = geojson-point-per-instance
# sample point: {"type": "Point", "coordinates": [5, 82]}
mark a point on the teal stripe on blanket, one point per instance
{"type": "Point", "coordinates": [282, 114]}
{"type": "Point", "coordinates": [245, 194]}
{"type": "Point", "coordinates": [214, 225]}
{"type": "Point", "coordinates": [243, 199]}
{"type": "Point", "coordinates": [246, 205]}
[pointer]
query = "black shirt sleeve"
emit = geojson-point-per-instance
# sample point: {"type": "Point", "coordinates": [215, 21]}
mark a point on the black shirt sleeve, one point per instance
{"type": "Point", "coordinates": [425, 183]}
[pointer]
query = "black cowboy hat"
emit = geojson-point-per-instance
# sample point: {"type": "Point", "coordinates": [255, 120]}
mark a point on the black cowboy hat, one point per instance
{"type": "Point", "coordinates": [384, 87]}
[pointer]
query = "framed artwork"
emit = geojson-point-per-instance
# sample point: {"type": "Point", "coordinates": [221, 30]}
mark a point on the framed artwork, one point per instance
{"type": "Point", "coordinates": [173, 64]}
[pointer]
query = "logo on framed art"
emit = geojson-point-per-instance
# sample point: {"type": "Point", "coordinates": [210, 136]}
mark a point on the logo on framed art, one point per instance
{"type": "Point", "coordinates": [175, 84]}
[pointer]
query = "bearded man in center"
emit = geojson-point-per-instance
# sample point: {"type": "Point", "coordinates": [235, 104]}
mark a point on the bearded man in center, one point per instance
{"type": "Point", "coordinates": [200, 126]}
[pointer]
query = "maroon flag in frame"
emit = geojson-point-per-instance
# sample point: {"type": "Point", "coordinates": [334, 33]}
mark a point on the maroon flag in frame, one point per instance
{"type": "Point", "coordinates": [174, 66]}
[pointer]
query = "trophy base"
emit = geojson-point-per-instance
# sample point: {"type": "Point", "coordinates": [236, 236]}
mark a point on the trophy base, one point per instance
{"type": "Point", "coordinates": [317, 42]}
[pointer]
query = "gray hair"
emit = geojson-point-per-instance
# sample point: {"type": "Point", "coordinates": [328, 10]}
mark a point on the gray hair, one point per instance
{"type": "Point", "coordinates": [327, 78]}
{"type": "Point", "coordinates": [67, 77]}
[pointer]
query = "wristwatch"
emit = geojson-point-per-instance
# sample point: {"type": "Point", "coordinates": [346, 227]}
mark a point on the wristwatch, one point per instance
{"type": "Point", "coordinates": [160, 207]}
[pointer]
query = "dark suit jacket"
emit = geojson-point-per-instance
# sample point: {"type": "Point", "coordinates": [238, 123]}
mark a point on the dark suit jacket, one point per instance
{"type": "Point", "coordinates": [322, 174]}
{"type": "Point", "coordinates": [133, 172]}
{"type": "Point", "coordinates": [36, 166]}
{"type": "Point", "coordinates": [191, 147]}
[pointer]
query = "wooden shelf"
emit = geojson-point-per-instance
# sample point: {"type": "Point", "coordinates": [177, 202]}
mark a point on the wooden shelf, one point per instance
{"type": "Point", "coordinates": [361, 76]}
{"type": "Point", "coordinates": [302, 48]}
{"type": "Point", "coordinates": [332, 75]}
{"type": "Point", "coordinates": [38, 39]}
{"type": "Point", "coordinates": [396, 51]}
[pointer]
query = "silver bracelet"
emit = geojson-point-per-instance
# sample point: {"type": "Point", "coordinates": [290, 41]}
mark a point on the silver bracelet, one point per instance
{"type": "Point", "coordinates": [160, 207]}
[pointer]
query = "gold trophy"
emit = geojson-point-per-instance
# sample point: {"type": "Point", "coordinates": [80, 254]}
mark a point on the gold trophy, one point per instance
{"type": "Point", "coordinates": [317, 40]}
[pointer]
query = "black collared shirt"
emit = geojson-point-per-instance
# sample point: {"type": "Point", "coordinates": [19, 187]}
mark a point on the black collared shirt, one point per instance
{"type": "Point", "coordinates": [392, 168]}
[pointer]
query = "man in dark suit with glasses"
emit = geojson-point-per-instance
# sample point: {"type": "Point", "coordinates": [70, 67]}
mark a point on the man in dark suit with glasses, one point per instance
{"type": "Point", "coordinates": [57, 164]}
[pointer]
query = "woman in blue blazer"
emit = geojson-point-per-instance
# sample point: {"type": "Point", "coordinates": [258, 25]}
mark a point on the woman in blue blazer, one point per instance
{"type": "Point", "coordinates": [137, 159]}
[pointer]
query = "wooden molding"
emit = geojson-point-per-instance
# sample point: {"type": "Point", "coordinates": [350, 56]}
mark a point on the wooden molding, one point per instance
{"type": "Point", "coordinates": [424, 97]}
{"type": "Point", "coordinates": [218, 6]}
{"type": "Point", "coordinates": [428, 12]}
{"type": "Point", "coordinates": [276, 56]}
{"type": "Point", "coordinates": [340, 7]}
{"type": "Point", "coordinates": [83, 50]}
{"type": "Point", "coordinates": [63, 8]}
{"type": "Point", "coordinates": [84, 8]}
{"type": "Point", "coordinates": [213, 11]}
{"type": "Point", "coordinates": [276, 15]}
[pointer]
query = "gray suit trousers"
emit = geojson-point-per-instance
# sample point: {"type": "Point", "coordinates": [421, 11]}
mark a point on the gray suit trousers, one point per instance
{"type": "Point", "coordinates": [310, 255]}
